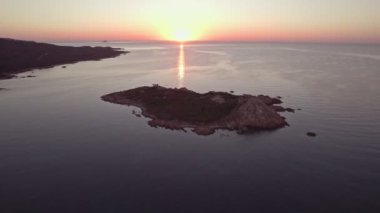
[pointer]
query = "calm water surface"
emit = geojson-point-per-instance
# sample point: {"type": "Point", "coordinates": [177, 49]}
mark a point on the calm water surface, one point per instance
{"type": "Point", "coordinates": [62, 149]}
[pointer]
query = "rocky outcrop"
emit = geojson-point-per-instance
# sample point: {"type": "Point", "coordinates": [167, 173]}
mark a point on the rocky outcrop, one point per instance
{"type": "Point", "coordinates": [178, 109]}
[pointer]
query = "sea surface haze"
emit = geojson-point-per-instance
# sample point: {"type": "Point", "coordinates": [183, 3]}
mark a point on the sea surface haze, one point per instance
{"type": "Point", "coordinates": [62, 149]}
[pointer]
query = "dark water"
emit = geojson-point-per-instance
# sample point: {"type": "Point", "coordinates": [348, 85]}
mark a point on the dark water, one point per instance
{"type": "Point", "coordinates": [64, 150]}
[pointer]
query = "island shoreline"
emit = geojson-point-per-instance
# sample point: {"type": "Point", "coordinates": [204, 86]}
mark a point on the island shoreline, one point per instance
{"type": "Point", "coordinates": [249, 114]}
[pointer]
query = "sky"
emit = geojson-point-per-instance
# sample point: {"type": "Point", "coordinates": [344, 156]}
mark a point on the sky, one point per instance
{"type": "Point", "coordinates": [229, 20]}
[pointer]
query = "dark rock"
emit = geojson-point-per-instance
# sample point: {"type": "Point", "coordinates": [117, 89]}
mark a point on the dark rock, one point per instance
{"type": "Point", "coordinates": [311, 134]}
{"type": "Point", "coordinates": [28, 76]}
{"type": "Point", "coordinates": [290, 110]}
{"type": "Point", "coordinates": [279, 108]}
{"type": "Point", "coordinates": [136, 113]}
{"type": "Point", "coordinates": [268, 100]}
{"type": "Point", "coordinates": [176, 109]}
{"type": "Point", "coordinates": [7, 75]}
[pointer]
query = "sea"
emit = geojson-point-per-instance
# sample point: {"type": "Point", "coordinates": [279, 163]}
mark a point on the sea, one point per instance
{"type": "Point", "coordinates": [63, 149]}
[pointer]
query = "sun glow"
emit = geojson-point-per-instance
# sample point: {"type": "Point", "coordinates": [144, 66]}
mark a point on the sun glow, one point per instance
{"type": "Point", "coordinates": [181, 21]}
{"type": "Point", "coordinates": [182, 35]}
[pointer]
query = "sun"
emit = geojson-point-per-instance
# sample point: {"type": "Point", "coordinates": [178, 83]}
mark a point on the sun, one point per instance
{"type": "Point", "coordinates": [179, 34]}
{"type": "Point", "coordinates": [182, 35]}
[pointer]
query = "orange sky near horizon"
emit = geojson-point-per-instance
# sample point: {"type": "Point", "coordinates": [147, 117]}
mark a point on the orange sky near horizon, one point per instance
{"type": "Point", "coordinates": [227, 20]}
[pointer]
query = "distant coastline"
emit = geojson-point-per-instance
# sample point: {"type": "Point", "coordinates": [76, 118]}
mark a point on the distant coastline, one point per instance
{"type": "Point", "coordinates": [18, 56]}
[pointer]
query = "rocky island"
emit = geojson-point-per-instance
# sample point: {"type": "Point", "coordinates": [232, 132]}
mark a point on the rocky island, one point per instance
{"type": "Point", "coordinates": [19, 56]}
{"type": "Point", "coordinates": [178, 109]}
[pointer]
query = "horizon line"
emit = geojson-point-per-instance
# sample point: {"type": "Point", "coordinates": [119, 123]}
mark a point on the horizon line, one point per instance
{"type": "Point", "coordinates": [198, 41]}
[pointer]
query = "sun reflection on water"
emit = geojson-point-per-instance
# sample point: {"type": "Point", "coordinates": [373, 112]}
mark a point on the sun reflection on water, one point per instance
{"type": "Point", "coordinates": [181, 66]}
